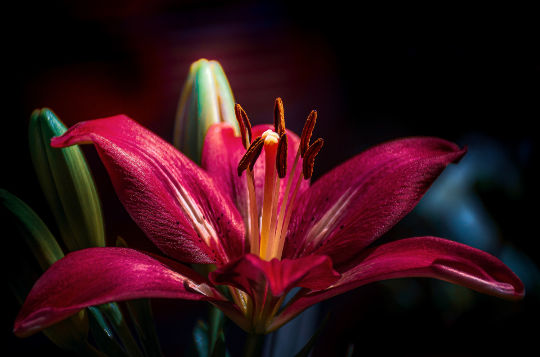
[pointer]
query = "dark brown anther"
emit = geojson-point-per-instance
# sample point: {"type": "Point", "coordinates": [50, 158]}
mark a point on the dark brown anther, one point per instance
{"type": "Point", "coordinates": [309, 157]}
{"type": "Point", "coordinates": [279, 117]}
{"type": "Point", "coordinates": [245, 125]}
{"type": "Point", "coordinates": [307, 131]}
{"type": "Point", "coordinates": [281, 157]}
{"type": "Point", "coordinates": [251, 155]}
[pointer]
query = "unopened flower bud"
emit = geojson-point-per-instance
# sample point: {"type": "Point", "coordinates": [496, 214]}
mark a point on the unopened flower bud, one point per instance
{"type": "Point", "coordinates": [206, 99]}
{"type": "Point", "coordinates": [67, 183]}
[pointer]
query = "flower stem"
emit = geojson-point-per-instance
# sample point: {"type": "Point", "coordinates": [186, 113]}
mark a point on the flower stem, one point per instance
{"type": "Point", "coordinates": [253, 345]}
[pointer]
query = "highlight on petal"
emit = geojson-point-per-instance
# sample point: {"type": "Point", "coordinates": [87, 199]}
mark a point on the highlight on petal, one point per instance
{"type": "Point", "coordinates": [358, 201]}
{"type": "Point", "coordinates": [175, 203]}
{"type": "Point", "coordinates": [420, 257]}
{"type": "Point", "coordinates": [253, 274]}
{"type": "Point", "coordinates": [222, 152]}
{"type": "Point", "coordinates": [96, 276]}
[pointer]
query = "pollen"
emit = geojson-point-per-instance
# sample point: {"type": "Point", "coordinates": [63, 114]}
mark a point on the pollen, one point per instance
{"type": "Point", "coordinates": [244, 124]}
{"type": "Point", "coordinates": [307, 132]}
{"type": "Point", "coordinates": [281, 157]}
{"type": "Point", "coordinates": [279, 117]}
{"type": "Point", "coordinates": [251, 155]}
{"type": "Point", "coordinates": [309, 157]}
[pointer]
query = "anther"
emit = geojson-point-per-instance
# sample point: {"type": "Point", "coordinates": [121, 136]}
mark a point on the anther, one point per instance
{"type": "Point", "coordinates": [251, 155]}
{"type": "Point", "coordinates": [245, 125]}
{"type": "Point", "coordinates": [307, 131]}
{"type": "Point", "coordinates": [309, 157]}
{"type": "Point", "coordinates": [281, 157]}
{"type": "Point", "coordinates": [279, 116]}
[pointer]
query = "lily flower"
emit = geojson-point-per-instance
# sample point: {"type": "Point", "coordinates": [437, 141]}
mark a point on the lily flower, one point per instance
{"type": "Point", "coordinates": [250, 210]}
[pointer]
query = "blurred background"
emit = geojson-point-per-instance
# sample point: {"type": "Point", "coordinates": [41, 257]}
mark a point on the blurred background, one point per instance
{"type": "Point", "coordinates": [469, 75]}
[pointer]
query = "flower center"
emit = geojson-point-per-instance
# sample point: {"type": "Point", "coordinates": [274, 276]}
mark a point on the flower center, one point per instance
{"type": "Point", "coordinates": [267, 231]}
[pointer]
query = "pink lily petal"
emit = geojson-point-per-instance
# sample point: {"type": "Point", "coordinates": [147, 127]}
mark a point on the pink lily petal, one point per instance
{"type": "Point", "coordinates": [174, 202]}
{"type": "Point", "coordinates": [96, 276]}
{"type": "Point", "coordinates": [419, 257]}
{"type": "Point", "coordinates": [358, 201]}
{"type": "Point", "coordinates": [222, 153]}
{"type": "Point", "coordinates": [255, 275]}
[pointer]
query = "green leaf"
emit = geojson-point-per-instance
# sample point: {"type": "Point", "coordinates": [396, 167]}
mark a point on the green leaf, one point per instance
{"type": "Point", "coordinates": [31, 228]}
{"type": "Point", "coordinates": [67, 183]}
{"type": "Point", "coordinates": [103, 334]}
{"type": "Point", "coordinates": [200, 339]}
{"type": "Point", "coordinates": [69, 334]}
{"type": "Point", "coordinates": [119, 325]}
{"type": "Point", "coordinates": [215, 329]}
{"type": "Point", "coordinates": [141, 314]}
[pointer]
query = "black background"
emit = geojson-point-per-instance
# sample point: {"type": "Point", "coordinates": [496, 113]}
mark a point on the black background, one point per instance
{"type": "Point", "coordinates": [372, 74]}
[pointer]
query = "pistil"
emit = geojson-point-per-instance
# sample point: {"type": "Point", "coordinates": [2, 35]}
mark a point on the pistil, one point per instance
{"type": "Point", "coordinates": [271, 190]}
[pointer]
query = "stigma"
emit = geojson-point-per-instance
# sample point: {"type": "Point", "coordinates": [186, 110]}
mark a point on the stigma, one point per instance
{"type": "Point", "coordinates": [267, 229]}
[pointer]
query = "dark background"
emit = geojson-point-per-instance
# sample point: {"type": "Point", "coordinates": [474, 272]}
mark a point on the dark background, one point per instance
{"type": "Point", "coordinates": [456, 72]}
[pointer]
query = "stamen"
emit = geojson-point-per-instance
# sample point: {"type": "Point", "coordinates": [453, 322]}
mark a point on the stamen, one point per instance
{"type": "Point", "coordinates": [279, 117]}
{"type": "Point", "coordinates": [307, 131]}
{"type": "Point", "coordinates": [245, 125]}
{"type": "Point", "coordinates": [309, 157]}
{"type": "Point", "coordinates": [281, 158]}
{"type": "Point", "coordinates": [251, 155]}
{"type": "Point", "coordinates": [285, 226]}
{"type": "Point", "coordinates": [278, 237]}
{"type": "Point", "coordinates": [253, 216]}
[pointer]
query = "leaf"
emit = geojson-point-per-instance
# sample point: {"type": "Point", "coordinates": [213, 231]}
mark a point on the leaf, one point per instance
{"type": "Point", "coordinates": [35, 233]}
{"type": "Point", "coordinates": [103, 334]}
{"type": "Point", "coordinates": [200, 339]}
{"type": "Point", "coordinates": [119, 325]}
{"type": "Point", "coordinates": [141, 315]}
{"type": "Point", "coordinates": [71, 333]}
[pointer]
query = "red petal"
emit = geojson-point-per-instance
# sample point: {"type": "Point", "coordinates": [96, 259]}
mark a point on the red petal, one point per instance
{"type": "Point", "coordinates": [363, 198]}
{"type": "Point", "coordinates": [222, 153]}
{"type": "Point", "coordinates": [254, 275]}
{"type": "Point", "coordinates": [420, 257]}
{"type": "Point", "coordinates": [98, 275]}
{"type": "Point", "coordinates": [175, 202]}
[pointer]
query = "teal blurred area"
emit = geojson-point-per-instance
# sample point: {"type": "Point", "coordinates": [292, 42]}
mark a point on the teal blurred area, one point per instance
{"type": "Point", "coordinates": [465, 74]}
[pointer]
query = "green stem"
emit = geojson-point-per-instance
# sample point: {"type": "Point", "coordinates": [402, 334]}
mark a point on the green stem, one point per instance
{"type": "Point", "coordinates": [215, 326]}
{"type": "Point", "coordinates": [116, 318]}
{"type": "Point", "coordinates": [253, 345]}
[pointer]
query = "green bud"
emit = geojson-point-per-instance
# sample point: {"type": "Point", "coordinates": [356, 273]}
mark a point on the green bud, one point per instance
{"type": "Point", "coordinates": [67, 183]}
{"type": "Point", "coordinates": [206, 99]}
